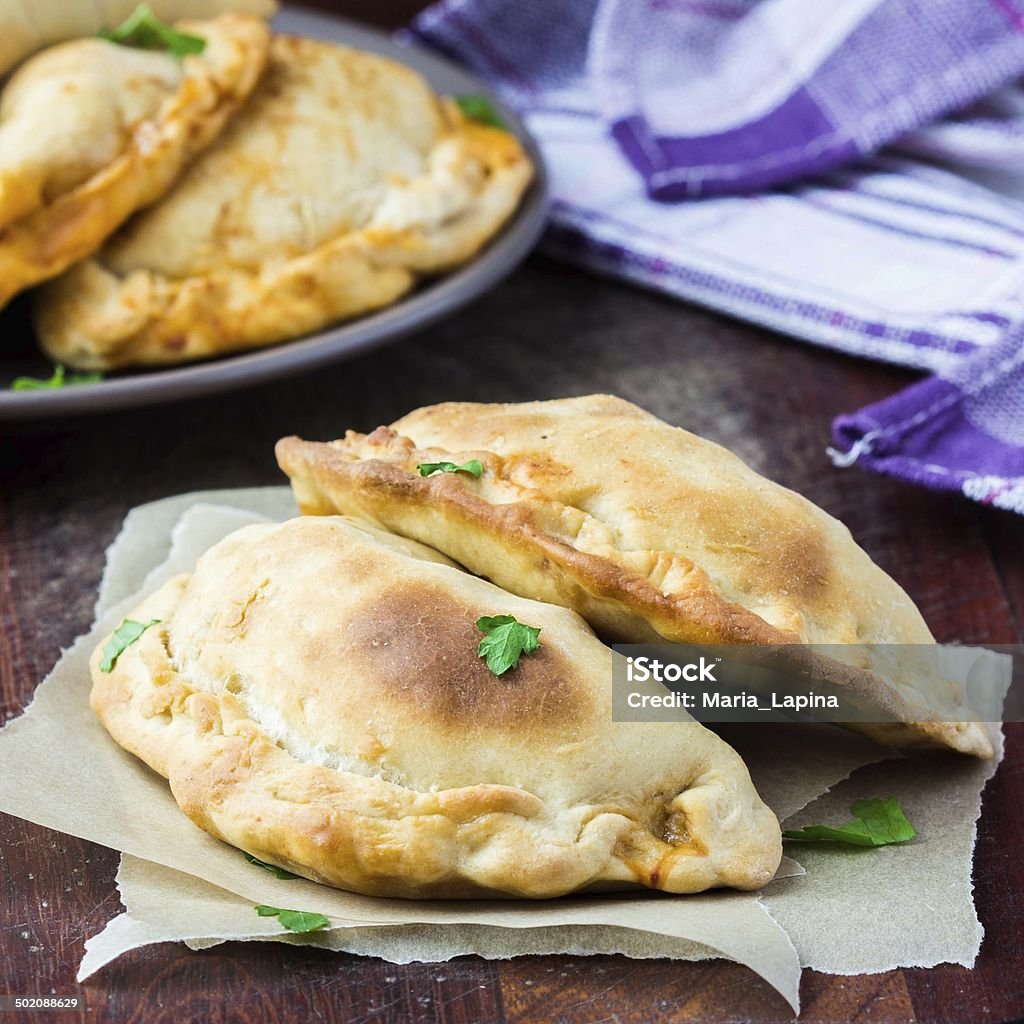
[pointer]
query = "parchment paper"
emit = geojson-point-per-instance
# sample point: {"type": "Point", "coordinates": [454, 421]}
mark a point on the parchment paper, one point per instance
{"type": "Point", "coordinates": [59, 768]}
{"type": "Point", "coordinates": [860, 911]}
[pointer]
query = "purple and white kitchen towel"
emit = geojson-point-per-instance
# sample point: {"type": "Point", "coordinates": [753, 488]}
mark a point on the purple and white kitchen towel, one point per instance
{"type": "Point", "coordinates": [850, 173]}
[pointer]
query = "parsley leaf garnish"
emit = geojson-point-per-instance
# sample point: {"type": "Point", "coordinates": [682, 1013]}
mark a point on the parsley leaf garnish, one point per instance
{"type": "Point", "coordinates": [876, 823]}
{"type": "Point", "coordinates": [58, 379]}
{"type": "Point", "coordinates": [480, 108]}
{"type": "Point", "coordinates": [124, 636]}
{"type": "Point", "coordinates": [474, 468]}
{"type": "Point", "coordinates": [505, 639]}
{"type": "Point", "coordinates": [272, 868]}
{"type": "Point", "coordinates": [295, 920]}
{"type": "Point", "coordinates": [143, 30]}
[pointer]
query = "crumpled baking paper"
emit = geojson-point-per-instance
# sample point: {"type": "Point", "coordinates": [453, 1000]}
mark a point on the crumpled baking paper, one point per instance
{"type": "Point", "coordinates": [855, 911]}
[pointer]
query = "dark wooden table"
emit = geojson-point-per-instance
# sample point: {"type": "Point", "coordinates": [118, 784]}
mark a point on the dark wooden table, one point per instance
{"type": "Point", "coordinates": [548, 331]}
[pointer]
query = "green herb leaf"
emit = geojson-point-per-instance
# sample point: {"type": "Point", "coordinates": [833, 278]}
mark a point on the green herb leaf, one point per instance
{"type": "Point", "coordinates": [295, 920]}
{"type": "Point", "coordinates": [58, 379]}
{"type": "Point", "coordinates": [145, 31]}
{"type": "Point", "coordinates": [480, 108]}
{"type": "Point", "coordinates": [505, 639]}
{"type": "Point", "coordinates": [876, 823]}
{"type": "Point", "coordinates": [272, 868]}
{"type": "Point", "coordinates": [474, 468]}
{"type": "Point", "coordinates": [124, 636]}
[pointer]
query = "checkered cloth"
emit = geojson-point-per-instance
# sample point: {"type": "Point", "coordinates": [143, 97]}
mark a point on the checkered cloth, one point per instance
{"type": "Point", "coordinates": [848, 173]}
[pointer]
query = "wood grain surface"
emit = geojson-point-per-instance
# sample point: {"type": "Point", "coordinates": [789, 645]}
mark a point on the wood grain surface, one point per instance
{"type": "Point", "coordinates": [548, 331]}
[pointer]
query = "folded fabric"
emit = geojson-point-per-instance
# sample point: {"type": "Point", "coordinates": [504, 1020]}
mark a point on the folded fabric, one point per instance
{"type": "Point", "coordinates": [937, 431]}
{"type": "Point", "coordinates": [641, 108]}
{"type": "Point", "coordinates": [726, 96]}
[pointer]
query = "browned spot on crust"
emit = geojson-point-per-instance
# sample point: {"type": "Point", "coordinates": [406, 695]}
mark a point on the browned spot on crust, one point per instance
{"type": "Point", "coordinates": [803, 569]}
{"type": "Point", "coordinates": [536, 468]}
{"type": "Point", "coordinates": [420, 647]}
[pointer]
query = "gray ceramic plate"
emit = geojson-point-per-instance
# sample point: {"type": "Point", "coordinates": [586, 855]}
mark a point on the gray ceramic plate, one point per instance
{"type": "Point", "coordinates": [433, 300]}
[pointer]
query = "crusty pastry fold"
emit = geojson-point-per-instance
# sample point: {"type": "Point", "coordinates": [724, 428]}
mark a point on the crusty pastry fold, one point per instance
{"type": "Point", "coordinates": [649, 532]}
{"type": "Point", "coordinates": [314, 695]}
{"type": "Point", "coordinates": [91, 131]}
{"type": "Point", "coordinates": [343, 181]}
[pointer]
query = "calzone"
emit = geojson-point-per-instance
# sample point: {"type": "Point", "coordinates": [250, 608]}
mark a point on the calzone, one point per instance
{"type": "Point", "coordinates": [30, 25]}
{"type": "Point", "coordinates": [91, 131]}
{"type": "Point", "coordinates": [314, 694]}
{"type": "Point", "coordinates": [341, 183]}
{"type": "Point", "coordinates": [648, 531]}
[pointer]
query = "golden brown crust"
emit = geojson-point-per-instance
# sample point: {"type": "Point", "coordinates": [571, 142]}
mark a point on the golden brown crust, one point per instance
{"type": "Point", "coordinates": [648, 532]}
{"type": "Point", "coordinates": [428, 190]}
{"type": "Point", "coordinates": [313, 694]}
{"type": "Point", "coordinates": [55, 232]}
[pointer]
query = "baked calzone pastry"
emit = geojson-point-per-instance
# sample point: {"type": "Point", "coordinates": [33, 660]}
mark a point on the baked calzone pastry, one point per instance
{"type": "Point", "coordinates": [649, 532]}
{"type": "Point", "coordinates": [314, 694]}
{"type": "Point", "coordinates": [91, 131]}
{"type": "Point", "coordinates": [343, 181]}
{"type": "Point", "coordinates": [30, 25]}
